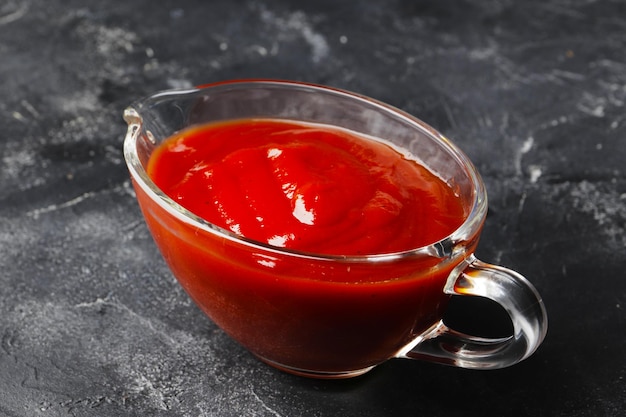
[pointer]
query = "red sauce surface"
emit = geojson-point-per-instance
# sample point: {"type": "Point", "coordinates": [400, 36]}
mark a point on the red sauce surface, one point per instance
{"type": "Point", "coordinates": [316, 189]}
{"type": "Point", "coordinates": [307, 187]}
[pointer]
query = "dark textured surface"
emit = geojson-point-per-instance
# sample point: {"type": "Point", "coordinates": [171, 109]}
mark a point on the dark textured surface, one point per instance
{"type": "Point", "coordinates": [93, 324]}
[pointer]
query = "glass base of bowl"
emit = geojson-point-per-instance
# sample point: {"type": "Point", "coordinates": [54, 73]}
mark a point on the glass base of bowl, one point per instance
{"type": "Point", "coordinates": [316, 374]}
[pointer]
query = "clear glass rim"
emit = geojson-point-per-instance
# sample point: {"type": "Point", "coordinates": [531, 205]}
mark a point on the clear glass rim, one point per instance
{"type": "Point", "coordinates": [440, 248]}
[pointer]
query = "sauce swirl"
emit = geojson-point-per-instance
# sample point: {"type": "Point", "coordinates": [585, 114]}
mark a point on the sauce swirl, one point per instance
{"type": "Point", "coordinates": [308, 187]}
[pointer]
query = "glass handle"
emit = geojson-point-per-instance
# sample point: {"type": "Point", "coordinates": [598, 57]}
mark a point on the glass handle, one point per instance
{"type": "Point", "coordinates": [515, 294]}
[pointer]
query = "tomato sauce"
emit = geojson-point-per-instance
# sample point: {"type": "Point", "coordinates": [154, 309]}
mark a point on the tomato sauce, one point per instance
{"type": "Point", "coordinates": [307, 187]}
{"type": "Point", "coordinates": [315, 189]}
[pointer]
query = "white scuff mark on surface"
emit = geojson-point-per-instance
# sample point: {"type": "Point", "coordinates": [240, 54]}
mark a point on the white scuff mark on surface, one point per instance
{"type": "Point", "coordinates": [18, 116]}
{"type": "Point", "coordinates": [113, 44]}
{"type": "Point", "coordinates": [522, 202]}
{"type": "Point", "coordinates": [142, 385]}
{"type": "Point", "coordinates": [14, 163]}
{"type": "Point", "coordinates": [535, 172]}
{"type": "Point", "coordinates": [261, 50]}
{"type": "Point", "coordinates": [298, 23]}
{"type": "Point", "coordinates": [30, 109]}
{"type": "Point", "coordinates": [449, 114]}
{"type": "Point", "coordinates": [178, 83]}
{"type": "Point", "coordinates": [605, 206]}
{"type": "Point", "coordinates": [80, 101]}
{"type": "Point", "coordinates": [54, 207]}
{"type": "Point", "coordinates": [264, 405]}
{"type": "Point", "coordinates": [35, 213]}
{"type": "Point", "coordinates": [592, 105]}
{"type": "Point", "coordinates": [144, 322]}
{"type": "Point", "coordinates": [526, 147]}
{"type": "Point", "coordinates": [562, 10]}
{"type": "Point", "coordinates": [568, 75]}
{"type": "Point", "coordinates": [596, 111]}
{"type": "Point", "coordinates": [480, 54]}
{"type": "Point", "coordinates": [13, 15]}
{"type": "Point", "coordinates": [319, 46]}
{"type": "Point", "coordinates": [111, 39]}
